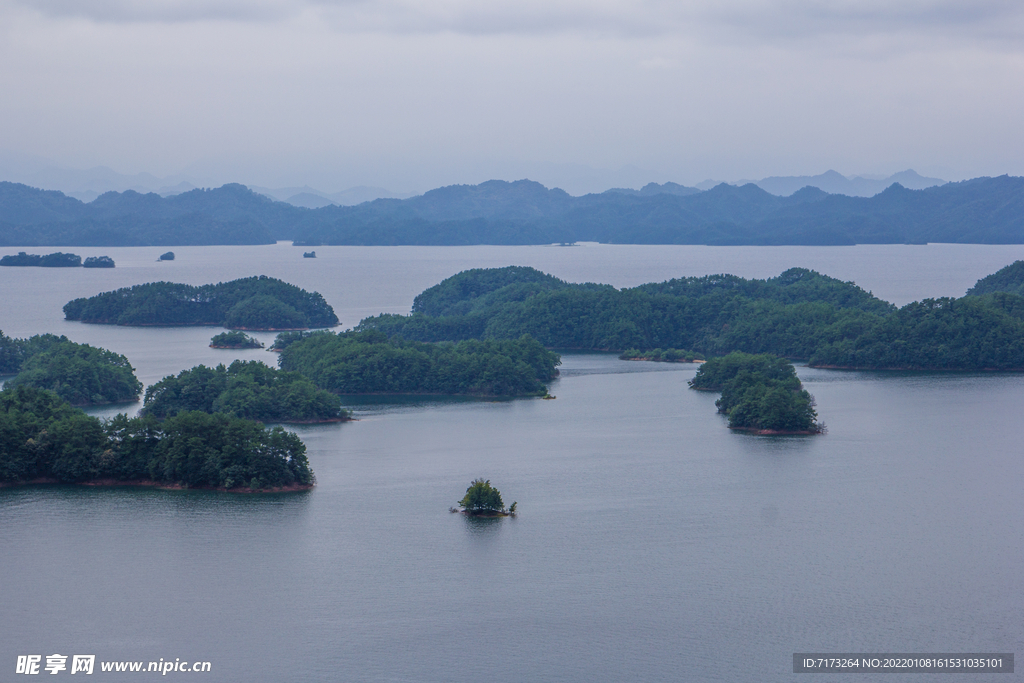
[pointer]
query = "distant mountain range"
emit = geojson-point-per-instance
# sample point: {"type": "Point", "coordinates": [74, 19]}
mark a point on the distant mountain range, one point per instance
{"type": "Point", "coordinates": [982, 210]}
{"type": "Point", "coordinates": [88, 184]}
{"type": "Point", "coordinates": [834, 182]}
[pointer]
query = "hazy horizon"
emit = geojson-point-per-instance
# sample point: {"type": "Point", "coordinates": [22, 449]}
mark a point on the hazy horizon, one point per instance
{"type": "Point", "coordinates": [87, 184]}
{"type": "Point", "coordinates": [336, 94]}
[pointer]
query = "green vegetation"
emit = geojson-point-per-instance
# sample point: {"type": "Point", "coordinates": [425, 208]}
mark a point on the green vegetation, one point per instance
{"type": "Point", "coordinates": [12, 354]}
{"type": "Point", "coordinates": [235, 340]}
{"type": "Point", "coordinates": [483, 499]}
{"type": "Point", "coordinates": [55, 260]}
{"type": "Point", "coordinates": [367, 363]}
{"type": "Point", "coordinates": [246, 389]}
{"type": "Point", "coordinates": [760, 393]}
{"type": "Point", "coordinates": [1009, 279]}
{"type": "Point", "coordinates": [789, 315]}
{"type": "Point", "coordinates": [286, 339]}
{"type": "Point", "coordinates": [264, 312]}
{"type": "Point", "coordinates": [662, 355]}
{"type": "Point", "coordinates": [799, 314]}
{"type": "Point", "coordinates": [98, 262]}
{"type": "Point", "coordinates": [43, 438]}
{"type": "Point", "coordinates": [971, 333]}
{"type": "Point", "coordinates": [258, 303]}
{"type": "Point", "coordinates": [78, 373]}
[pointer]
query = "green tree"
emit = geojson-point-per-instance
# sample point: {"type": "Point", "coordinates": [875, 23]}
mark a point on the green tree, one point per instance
{"type": "Point", "coordinates": [482, 498]}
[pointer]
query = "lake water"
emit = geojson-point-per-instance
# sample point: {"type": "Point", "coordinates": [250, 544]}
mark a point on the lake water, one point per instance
{"type": "Point", "coordinates": [653, 544]}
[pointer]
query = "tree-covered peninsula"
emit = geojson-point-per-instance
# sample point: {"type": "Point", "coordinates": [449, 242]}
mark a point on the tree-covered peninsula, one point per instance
{"type": "Point", "coordinates": [254, 303]}
{"type": "Point", "coordinates": [235, 340]}
{"type": "Point", "coordinates": [78, 373]}
{"type": "Point", "coordinates": [760, 393]}
{"type": "Point", "coordinates": [798, 314]}
{"type": "Point", "coordinates": [368, 363]}
{"type": "Point", "coordinates": [246, 389]}
{"type": "Point", "coordinates": [45, 439]}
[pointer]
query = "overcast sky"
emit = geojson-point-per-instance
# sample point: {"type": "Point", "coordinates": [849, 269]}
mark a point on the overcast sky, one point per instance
{"type": "Point", "coordinates": [412, 94]}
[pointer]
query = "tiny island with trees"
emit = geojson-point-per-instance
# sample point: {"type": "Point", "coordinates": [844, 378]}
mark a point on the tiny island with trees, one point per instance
{"type": "Point", "coordinates": [483, 500]}
{"type": "Point", "coordinates": [254, 303]}
{"type": "Point", "coordinates": [235, 340]}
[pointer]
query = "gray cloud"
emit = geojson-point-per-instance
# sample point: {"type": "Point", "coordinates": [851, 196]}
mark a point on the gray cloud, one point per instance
{"type": "Point", "coordinates": [411, 94]}
{"type": "Point", "coordinates": [169, 11]}
{"type": "Point", "coordinates": [767, 19]}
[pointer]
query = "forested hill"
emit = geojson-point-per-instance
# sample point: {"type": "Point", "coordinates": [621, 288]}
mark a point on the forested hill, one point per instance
{"type": "Point", "coordinates": [798, 314]}
{"type": "Point", "coordinates": [983, 210]}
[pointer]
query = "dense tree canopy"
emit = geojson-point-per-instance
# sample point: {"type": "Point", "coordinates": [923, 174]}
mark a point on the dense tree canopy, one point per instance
{"type": "Point", "coordinates": [54, 260]}
{"type": "Point", "coordinates": [78, 373]}
{"type": "Point", "coordinates": [368, 363]}
{"type": "Point", "coordinates": [971, 333]}
{"type": "Point", "coordinates": [98, 262]}
{"type": "Point", "coordinates": [285, 339]}
{"type": "Point", "coordinates": [799, 314]}
{"type": "Point", "coordinates": [482, 498]}
{"type": "Point", "coordinates": [251, 303]}
{"type": "Point", "coordinates": [43, 437]}
{"type": "Point", "coordinates": [759, 392]}
{"type": "Point", "coordinates": [235, 340]}
{"type": "Point", "coordinates": [246, 389]}
{"type": "Point", "coordinates": [1009, 279]}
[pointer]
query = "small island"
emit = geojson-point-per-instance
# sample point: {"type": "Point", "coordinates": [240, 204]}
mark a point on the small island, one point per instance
{"type": "Point", "coordinates": [166, 256]}
{"type": "Point", "coordinates": [98, 262]}
{"type": "Point", "coordinates": [56, 260]}
{"type": "Point", "coordinates": [760, 394]}
{"type": "Point", "coordinates": [309, 254]}
{"type": "Point", "coordinates": [483, 500]}
{"type": "Point", "coordinates": [253, 303]}
{"type": "Point", "coordinates": [235, 340]}
{"type": "Point", "coordinates": [44, 440]}
{"type": "Point", "coordinates": [663, 356]}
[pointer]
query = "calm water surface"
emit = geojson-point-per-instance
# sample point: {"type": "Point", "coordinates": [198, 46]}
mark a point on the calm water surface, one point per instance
{"type": "Point", "coordinates": [653, 544]}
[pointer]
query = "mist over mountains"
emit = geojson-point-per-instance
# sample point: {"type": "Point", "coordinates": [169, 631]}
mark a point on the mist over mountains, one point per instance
{"type": "Point", "coordinates": [88, 184]}
{"type": "Point", "coordinates": [836, 183]}
{"type": "Point", "coordinates": [982, 210]}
